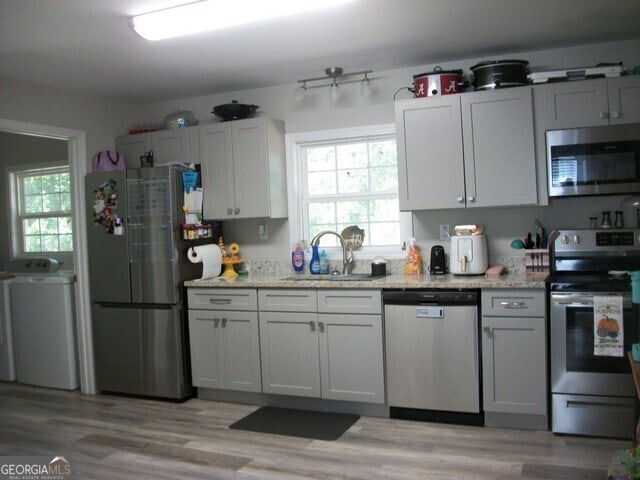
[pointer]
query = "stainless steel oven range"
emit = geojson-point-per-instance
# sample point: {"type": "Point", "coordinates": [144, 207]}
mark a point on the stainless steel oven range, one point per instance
{"type": "Point", "coordinates": [591, 394]}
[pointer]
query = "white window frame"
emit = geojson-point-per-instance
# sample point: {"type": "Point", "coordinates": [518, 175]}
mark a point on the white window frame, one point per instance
{"type": "Point", "coordinates": [295, 188]}
{"type": "Point", "coordinates": [13, 174]}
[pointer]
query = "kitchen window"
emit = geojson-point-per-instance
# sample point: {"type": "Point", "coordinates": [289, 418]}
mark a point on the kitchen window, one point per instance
{"type": "Point", "coordinates": [347, 177]}
{"type": "Point", "coordinates": [41, 209]}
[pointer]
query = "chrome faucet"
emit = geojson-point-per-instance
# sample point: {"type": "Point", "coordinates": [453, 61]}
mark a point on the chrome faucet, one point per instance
{"type": "Point", "coordinates": [347, 259]}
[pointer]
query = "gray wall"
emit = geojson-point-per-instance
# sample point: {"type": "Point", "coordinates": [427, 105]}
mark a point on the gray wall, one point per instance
{"type": "Point", "coordinates": [24, 150]}
{"type": "Point", "coordinates": [317, 112]}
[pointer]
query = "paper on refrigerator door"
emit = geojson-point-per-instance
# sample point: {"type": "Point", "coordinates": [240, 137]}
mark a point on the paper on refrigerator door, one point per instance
{"type": "Point", "coordinates": [608, 325]}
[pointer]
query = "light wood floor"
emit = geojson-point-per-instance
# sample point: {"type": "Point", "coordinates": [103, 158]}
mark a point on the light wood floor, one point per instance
{"type": "Point", "coordinates": [108, 437]}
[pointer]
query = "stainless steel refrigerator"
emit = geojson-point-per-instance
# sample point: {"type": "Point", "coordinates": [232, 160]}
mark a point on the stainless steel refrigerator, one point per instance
{"type": "Point", "coordinates": [137, 264]}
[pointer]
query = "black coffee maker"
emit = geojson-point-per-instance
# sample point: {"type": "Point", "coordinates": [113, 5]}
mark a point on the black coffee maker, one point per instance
{"type": "Point", "coordinates": [437, 265]}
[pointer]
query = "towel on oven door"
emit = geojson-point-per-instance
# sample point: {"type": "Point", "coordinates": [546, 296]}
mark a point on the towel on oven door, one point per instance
{"type": "Point", "coordinates": [608, 324]}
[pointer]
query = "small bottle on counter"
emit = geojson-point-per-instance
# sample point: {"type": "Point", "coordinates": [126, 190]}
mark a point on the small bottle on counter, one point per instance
{"type": "Point", "coordinates": [297, 257]}
{"type": "Point", "coordinates": [314, 264]}
{"type": "Point", "coordinates": [324, 262]}
{"type": "Point", "coordinates": [413, 262]}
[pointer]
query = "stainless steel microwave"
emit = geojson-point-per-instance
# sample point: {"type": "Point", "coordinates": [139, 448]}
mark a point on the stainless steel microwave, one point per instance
{"type": "Point", "coordinates": [594, 160]}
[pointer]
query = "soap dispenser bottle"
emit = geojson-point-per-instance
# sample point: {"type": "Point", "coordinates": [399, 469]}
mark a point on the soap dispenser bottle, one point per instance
{"type": "Point", "coordinates": [324, 262]}
{"type": "Point", "coordinates": [412, 261]}
{"type": "Point", "coordinates": [314, 264]}
{"type": "Point", "coordinates": [297, 257]}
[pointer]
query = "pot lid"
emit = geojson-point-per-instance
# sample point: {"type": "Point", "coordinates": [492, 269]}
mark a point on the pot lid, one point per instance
{"type": "Point", "coordinates": [438, 71]}
{"type": "Point", "coordinates": [488, 63]}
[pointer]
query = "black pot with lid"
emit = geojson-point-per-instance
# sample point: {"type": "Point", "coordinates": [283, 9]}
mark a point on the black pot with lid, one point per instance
{"type": "Point", "coordinates": [499, 74]}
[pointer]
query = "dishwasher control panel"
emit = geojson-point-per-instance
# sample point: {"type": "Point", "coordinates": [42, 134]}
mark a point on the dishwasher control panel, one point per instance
{"type": "Point", "coordinates": [429, 312]}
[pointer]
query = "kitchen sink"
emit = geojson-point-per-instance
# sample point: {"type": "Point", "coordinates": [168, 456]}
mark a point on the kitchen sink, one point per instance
{"type": "Point", "coordinates": [355, 277]}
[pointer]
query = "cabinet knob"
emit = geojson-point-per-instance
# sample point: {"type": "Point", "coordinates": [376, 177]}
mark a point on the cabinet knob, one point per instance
{"type": "Point", "coordinates": [224, 322]}
{"type": "Point", "coordinates": [321, 326]}
{"type": "Point", "coordinates": [604, 114]}
{"type": "Point", "coordinates": [488, 331]}
{"type": "Point", "coordinates": [216, 321]}
{"type": "Point", "coordinates": [615, 114]}
{"type": "Point", "coordinates": [229, 211]}
{"type": "Point", "coordinates": [460, 199]}
{"type": "Point", "coordinates": [312, 324]}
{"type": "Point", "coordinates": [471, 198]}
{"type": "Point", "coordinates": [236, 211]}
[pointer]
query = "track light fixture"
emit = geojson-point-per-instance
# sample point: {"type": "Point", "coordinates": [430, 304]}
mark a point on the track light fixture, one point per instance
{"type": "Point", "coordinates": [337, 76]}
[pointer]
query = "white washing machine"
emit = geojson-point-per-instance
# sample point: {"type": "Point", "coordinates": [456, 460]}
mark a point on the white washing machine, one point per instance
{"type": "Point", "coordinates": [7, 357]}
{"type": "Point", "coordinates": [43, 321]}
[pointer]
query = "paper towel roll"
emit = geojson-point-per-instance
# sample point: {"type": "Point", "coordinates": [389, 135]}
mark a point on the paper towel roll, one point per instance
{"type": "Point", "coordinates": [211, 258]}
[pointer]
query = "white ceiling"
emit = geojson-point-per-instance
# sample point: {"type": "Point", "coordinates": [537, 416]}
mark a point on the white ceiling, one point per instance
{"type": "Point", "coordinates": [87, 46]}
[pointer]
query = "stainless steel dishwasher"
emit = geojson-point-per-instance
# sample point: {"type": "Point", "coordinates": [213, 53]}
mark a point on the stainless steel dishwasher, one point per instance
{"type": "Point", "coordinates": [433, 355]}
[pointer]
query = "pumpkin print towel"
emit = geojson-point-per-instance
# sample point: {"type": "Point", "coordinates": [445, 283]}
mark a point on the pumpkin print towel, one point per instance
{"type": "Point", "coordinates": [608, 333]}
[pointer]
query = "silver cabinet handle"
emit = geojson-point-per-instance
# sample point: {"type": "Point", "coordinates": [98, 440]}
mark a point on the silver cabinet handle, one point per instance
{"type": "Point", "coordinates": [216, 321]}
{"type": "Point", "coordinates": [229, 211]}
{"type": "Point", "coordinates": [488, 331]}
{"type": "Point", "coordinates": [224, 322]}
{"type": "Point", "coordinates": [312, 324]}
{"type": "Point", "coordinates": [513, 304]}
{"type": "Point", "coordinates": [236, 211]}
{"type": "Point", "coordinates": [604, 114]}
{"type": "Point", "coordinates": [321, 326]}
{"type": "Point", "coordinates": [220, 301]}
{"type": "Point", "coordinates": [460, 199]}
{"type": "Point", "coordinates": [471, 198]}
{"type": "Point", "coordinates": [615, 114]}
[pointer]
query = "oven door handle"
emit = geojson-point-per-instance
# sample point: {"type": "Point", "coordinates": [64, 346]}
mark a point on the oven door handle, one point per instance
{"type": "Point", "coordinates": [572, 300]}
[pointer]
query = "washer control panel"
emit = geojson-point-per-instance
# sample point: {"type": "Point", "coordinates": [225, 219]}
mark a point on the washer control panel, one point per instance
{"type": "Point", "coordinates": [33, 265]}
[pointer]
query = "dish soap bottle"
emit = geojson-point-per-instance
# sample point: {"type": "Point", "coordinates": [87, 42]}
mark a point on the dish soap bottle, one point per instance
{"type": "Point", "coordinates": [324, 262]}
{"type": "Point", "coordinates": [297, 257]}
{"type": "Point", "coordinates": [314, 264]}
{"type": "Point", "coordinates": [412, 262]}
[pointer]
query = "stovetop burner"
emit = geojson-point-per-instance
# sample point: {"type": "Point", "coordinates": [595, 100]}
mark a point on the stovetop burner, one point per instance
{"type": "Point", "coordinates": [594, 260]}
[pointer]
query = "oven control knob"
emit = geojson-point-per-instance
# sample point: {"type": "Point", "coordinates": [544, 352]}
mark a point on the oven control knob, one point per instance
{"type": "Point", "coordinates": [576, 239]}
{"type": "Point", "coordinates": [564, 239]}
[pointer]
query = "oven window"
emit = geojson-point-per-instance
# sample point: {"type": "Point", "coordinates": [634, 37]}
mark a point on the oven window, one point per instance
{"type": "Point", "coordinates": [580, 357]}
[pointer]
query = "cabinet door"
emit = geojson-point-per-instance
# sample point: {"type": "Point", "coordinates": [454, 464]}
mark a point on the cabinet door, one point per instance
{"type": "Point", "coordinates": [241, 350]}
{"type": "Point", "coordinates": [217, 171]}
{"type": "Point", "coordinates": [289, 353]}
{"type": "Point", "coordinates": [514, 366]}
{"type": "Point", "coordinates": [430, 162]}
{"type": "Point", "coordinates": [171, 146]}
{"type": "Point", "coordinates": [499, 151]}
{"type": "Point", "coordinates": [575, 104]}
{"type": "Point", "coordinates": [133, 147]}
{"type": "Point", "coordinates": [351, 363]}
{"type": "Point", "coordinates": [205, 341]}
{"type": "Point", "coordinates": [624, 99]}
{"type": "Point", "coordinates": [250, 168]}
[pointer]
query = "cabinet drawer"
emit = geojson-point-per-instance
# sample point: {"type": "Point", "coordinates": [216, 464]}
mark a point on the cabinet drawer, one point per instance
{"type": "Point", "coordinates": [515, 302]}
{"type": "Point", "coordinates": [222, 299]}
{"type": "Point", "coordinates": [287, 300]}
{"type": "Point", "coordinates": [349, 301]}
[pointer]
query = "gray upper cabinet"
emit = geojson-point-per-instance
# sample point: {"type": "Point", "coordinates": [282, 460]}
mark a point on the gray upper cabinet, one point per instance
{"type": "Point", "coordinates": [169, 146]}
{"type": "Point", "coordinates": [589, 103]}
{"type": "Point", "coordinates": [470, 150]}
{"type": "Point", "coordinates": [499, 151]}
{"type": "Point", "coordinates": [243, 169]}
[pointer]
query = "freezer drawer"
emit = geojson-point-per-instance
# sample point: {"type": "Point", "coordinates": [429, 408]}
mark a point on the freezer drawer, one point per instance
{"type": "Point", "coordinates": [141, 350]}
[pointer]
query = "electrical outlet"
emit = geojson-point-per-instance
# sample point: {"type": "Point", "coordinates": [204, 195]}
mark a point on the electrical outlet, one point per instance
{"type": "Point", "coordinates": [263, 231]}
{"type": "Point", "coordinates": [444, 232]}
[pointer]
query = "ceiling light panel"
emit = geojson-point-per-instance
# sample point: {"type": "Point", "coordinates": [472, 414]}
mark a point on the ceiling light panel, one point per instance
{"type": "Point", "coordinates": [214, 15]}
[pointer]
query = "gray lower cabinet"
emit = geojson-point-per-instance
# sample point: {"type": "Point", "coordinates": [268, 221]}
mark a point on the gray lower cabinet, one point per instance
{"type": "Point", "coordinates": [224, 339]}
{"type": "Point", "coordinates": [309, 348]}
{"type": "Point", "coordinates": [514, 356]}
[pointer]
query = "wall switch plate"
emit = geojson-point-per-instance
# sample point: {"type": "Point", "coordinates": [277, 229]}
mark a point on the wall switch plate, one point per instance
{"type": "Point", "coordinates": [263, 231]}
{"type": "Point", "coordinates": [444, 232]}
